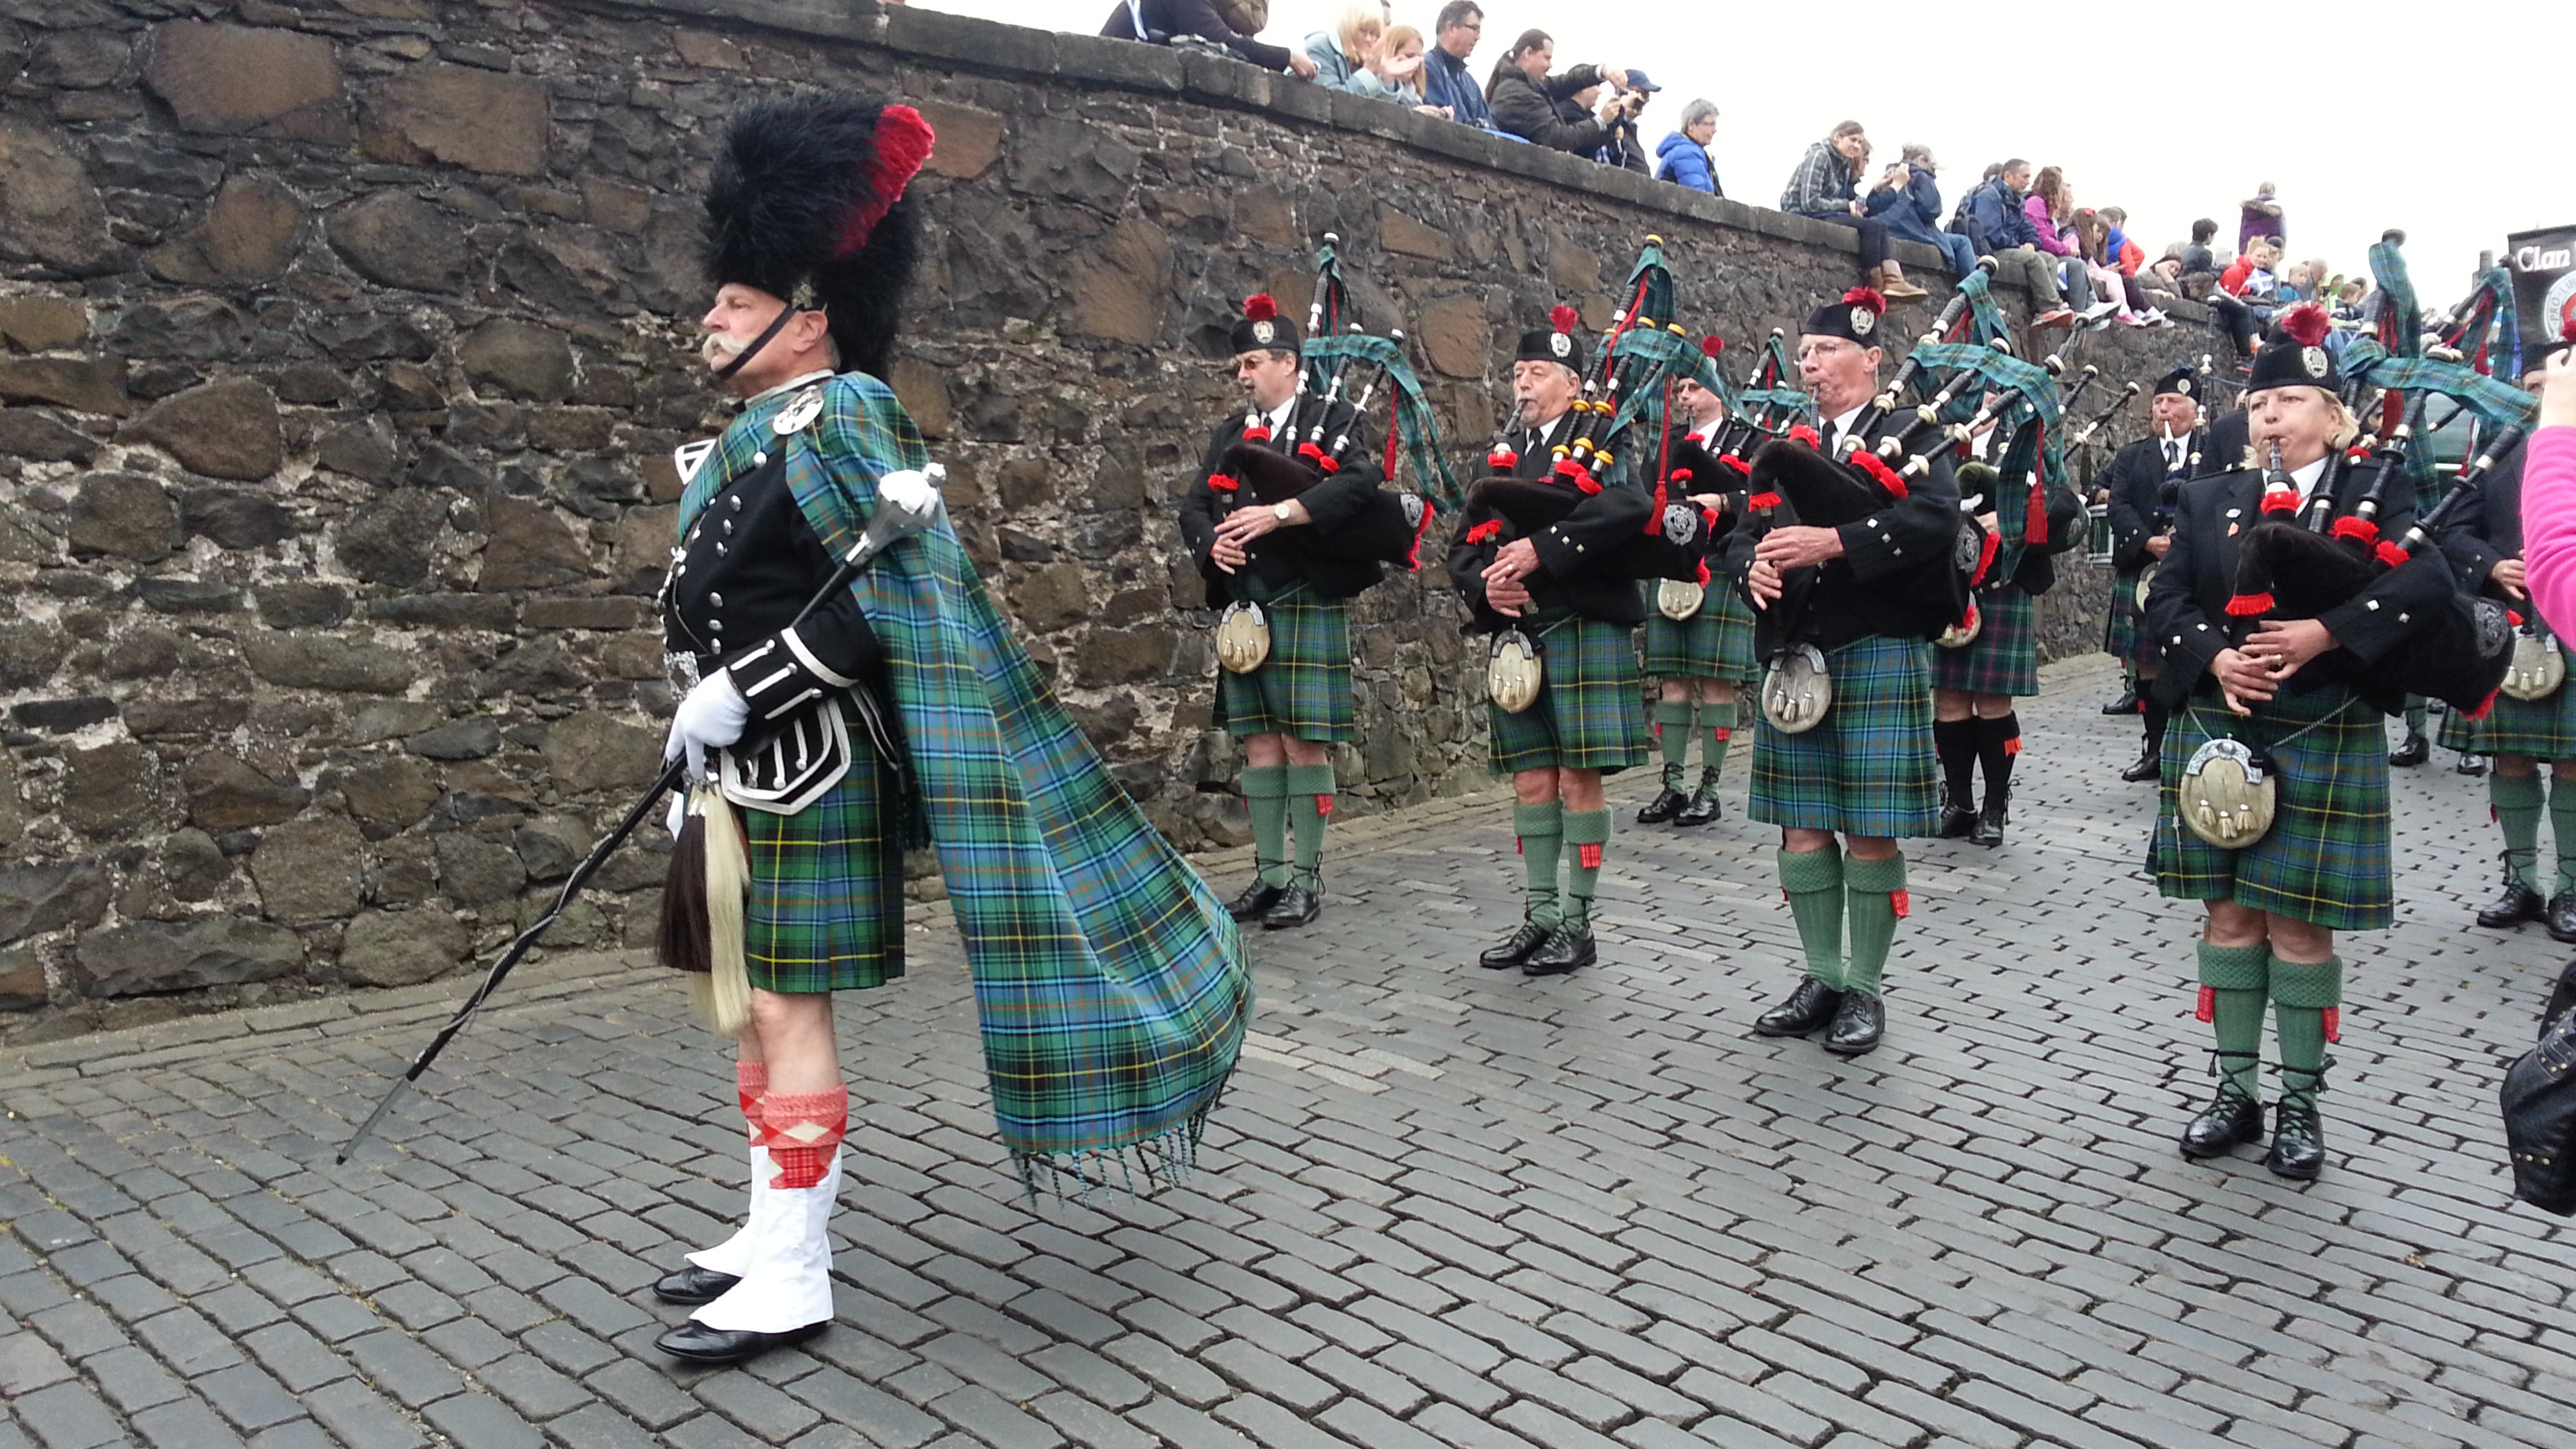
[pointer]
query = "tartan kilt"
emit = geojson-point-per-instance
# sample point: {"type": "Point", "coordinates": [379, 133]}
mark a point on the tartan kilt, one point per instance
{"type": "Point", "coordinates": [826, 906]}
{"type": "Point", "coordinates": [1715, 643]}
{"type": "Point", "coordinates": [1304, 688]}
{"type": "Point", "coordinates": [2004, 657]}
{"type": "Point", "coordinates": [1586, 716]}
{"type": "Point", "coordinates": [2326, 858]}
{"type": "Point", "coordinates": [1866, 769]}
{"type": "Point", "coordinates": [2543, 729]}
{"type": "Point", "coordinates": [2126, 622]}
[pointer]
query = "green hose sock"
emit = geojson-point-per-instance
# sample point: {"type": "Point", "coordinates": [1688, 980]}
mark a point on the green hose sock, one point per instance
{"type": "Point", "coordinates": [1874, 896]}
{"type": "Point", "coordinates": [1265, 793]}
{"type": "Point", "coordinates": [2562, 831]}
{"type": "Point", "coordinates": [1541, 829]}
{"type": "Point", "coordinates": [2307, 998]}
{"type": "Point", "coordinates": [2235, 984]}
{"type": "Point", "coordinates": [1310, 804]}
{"type": "Point", "coordinates": [2515, 800]}
{"type": "Point", "coordinates": [1587, 831]}
{"type": "Point", "coordinates": [1718, 718]}
{"type": "Point", "coordinates": [1813, 882]}
{"type": "Point", "coordinates": [1673, 731]}
{"type": "Point", "coordinates": [2414, 716]}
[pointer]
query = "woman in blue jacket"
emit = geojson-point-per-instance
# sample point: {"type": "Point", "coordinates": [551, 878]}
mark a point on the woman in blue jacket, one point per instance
{"type": "Point", "coordinates": [1913, 211]}
{"type": "Point", "coordinates": [1683, 157]}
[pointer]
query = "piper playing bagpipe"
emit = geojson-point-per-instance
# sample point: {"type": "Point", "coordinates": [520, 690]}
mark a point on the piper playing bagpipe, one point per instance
{"type": "Point", "coordinates": [2292, 617]}
{"type": "Point", "coordinates": [1277, 520]}
{"type": "Point", "coordinates": [894, 703]}
{"type": "Point", "coordinates": [1849, 567]}
{"type": "Point", "coordinates": [2145, 479]}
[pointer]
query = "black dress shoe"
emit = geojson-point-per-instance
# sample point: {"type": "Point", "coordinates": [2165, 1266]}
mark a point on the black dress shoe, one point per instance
{"type": "Point", "coordinates": [2560, 917]}
{"type": "Point", "coordinates": [2471, 765]}
{"type": "Point", "coordinates": [2127, 703]}
{"type": "Point", "coordinates": [2232, 1117]}
{"type": "Point", "coordinates": [1562, 951]}
{"type": "Point", "coordinates": [1702, 809]}
{"type": "Point", "coordinates": [2150, 765]}
{"type": "Point", "coordinates": [1989, 829]}
{"type": "Point", "coordinates": [1667, 803]}
{"type": "Point", "coordinates": [698, 1343]}
{"type": "Point", "coordinates": [1295, 907]}
{"type": "Point", "coordinates": [1516, 948]}
{"type": "Point", "coordinates": [1255, 902]}
{"type": "Point", "coordinates": [2413, 750]}
{"type": "Point", "coordinates": [693, 1284]}
{"type": "Point", "coordinates": [1857, 1024]}
{"type": "Point", "coordinates": [1810, 1006]}
{"type": "Point", "coordinates": [2518, 904]}
{"type": "Point", "coordinates": [1958, 822]}
{"type": "Point", "coordinates": [2298, 1137]}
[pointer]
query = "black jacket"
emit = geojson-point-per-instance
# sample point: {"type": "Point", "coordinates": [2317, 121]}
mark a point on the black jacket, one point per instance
{"type": "Point", "coordinates": [2486, 527]}
{"type": "Point", "coordinates": [1278, 556]}
{"type": "Point", "coordinates": [1869, 590]}
{"type": "Point", "coordinates": [1527, 109]}
{"type": "Point", "coordinates": [2141, 504]}
{"type": "Point", "coordinates": [2187, 603]}
{"type": "Point", "coordinates": [2225, 450]}
{"type": "Point", "coordinates": [1579, 568]}
{"type": "Point", "coordinates": [1167, 18]}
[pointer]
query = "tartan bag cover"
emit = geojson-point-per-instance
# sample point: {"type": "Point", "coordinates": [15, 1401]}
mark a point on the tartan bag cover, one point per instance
{"type": "Point", "coordinates": [1112, 988]}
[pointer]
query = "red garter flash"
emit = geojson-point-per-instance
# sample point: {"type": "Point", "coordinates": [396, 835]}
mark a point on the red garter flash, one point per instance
{"type": "Point", "coordinates": [1903, 902]}
{"type": "Point", "coordinates": [1323, 804]}
{"type": "Point", "coordinates": [2207, 1011]}
{"type": "Point", "coordinates": [1589, 855]}
{"type": "Point", "coordinates": [2334, 1023]}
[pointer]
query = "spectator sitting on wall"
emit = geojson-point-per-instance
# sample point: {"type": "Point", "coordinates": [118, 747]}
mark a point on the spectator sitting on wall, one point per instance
{"type": "Point", "coordinates": [1344, 52]}
{"type": "Point", "coordinates": [1159, 21]}
{"type": "Point", "coordinates": [2259, 216]}
{"type": "Point", "coordinates": [1446, 82]}
{"type": "Point", "coordinates": [2121, 251]}
{"type": "Point", "coordinates": [1523, 96]}
{"type": "Point", "coordinates": [1825, 187]}
{"type": "Point", "coordinates": [2199, 263]}
{"type": "Point", "coordinates": [1624, 149]}
{"type": "Point", "coordinates": [2245, 296]}
{"type": "Point", "coordinates": [1683, 159]}
{"type": "Point", "coordinates": [1395, 72]}
{"type": "Point", "coordinates": [2093, 246]}
{"type": "Point", "coordinates": [2049, 208]}
{"type": "Point", "coordinates": [1912, 209]}
{"type": "Point", "coordinates": [1998, 227]}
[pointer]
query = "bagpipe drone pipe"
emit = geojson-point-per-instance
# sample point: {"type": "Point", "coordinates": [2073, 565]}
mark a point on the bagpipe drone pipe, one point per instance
{"type": "Point", "coordinates": [1793, 483]}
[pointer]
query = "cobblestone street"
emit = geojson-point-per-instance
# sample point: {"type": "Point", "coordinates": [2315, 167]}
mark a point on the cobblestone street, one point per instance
{"type": "Point", "coordinates": [1441, 1206]}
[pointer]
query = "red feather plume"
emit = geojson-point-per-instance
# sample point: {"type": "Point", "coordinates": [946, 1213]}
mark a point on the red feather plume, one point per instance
{"type": "Point", "coordinates": [1867, 297]}
{"type": "Point", "coordinates": [2307, 324]}
{"type": "Point", "coordinates": [1564, 318]}
{"type": "Point", "coordinates": [1260, 307]}
{"type": "Point", "coordinates": [903, 144]}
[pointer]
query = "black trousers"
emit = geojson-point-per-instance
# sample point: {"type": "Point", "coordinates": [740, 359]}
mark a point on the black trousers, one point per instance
{"type": "Point", "coordinates": [1873, 234]}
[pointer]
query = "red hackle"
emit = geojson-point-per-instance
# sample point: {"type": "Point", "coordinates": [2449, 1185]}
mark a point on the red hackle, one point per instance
{"type": "Point", "coordinates": [2306, 324]}
{"type": "Point", "coordinates": [903, 144]}
{"type": "Point", "coordinates": [1564, 318]}
{"type": "Point", "coordinates": [1867, 297]}
{"type": "Point", "coordinates": [1260, 307]}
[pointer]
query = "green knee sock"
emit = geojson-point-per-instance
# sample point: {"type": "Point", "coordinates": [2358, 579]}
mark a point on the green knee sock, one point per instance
{"type": "Point", "coordinates": [1587, 831]}
{"type": "Point", "coordinates": [2307, 997]}
{"type": "Point", "coordinates": [2414, 715]}
{"type": "Point", "coordinates": [2235, 982]}
{"type": "Point", "coordinates": [1718, 718]}
{"type": "Point", "coordinates": [1541, 829]}
{"type": "Point", "coordinates": [1813, 882]}
{"type": "Point", "coordinates": [2562, 831]}
{"type": "Point", "coordinates": [1265, 792]}
{"type": "Point", "coordinates": [1310, 803]}
{"type": "Point", "coordinates": [1874, 892]}
{"type": "Point", "coordinates": [1673, 728]}
{"type": "Point", "coordinates": [2516, 800]}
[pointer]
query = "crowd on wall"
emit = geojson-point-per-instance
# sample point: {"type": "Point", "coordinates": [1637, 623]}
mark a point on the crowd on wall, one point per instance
{"type": "Point", "coordinates": [2079, 263]}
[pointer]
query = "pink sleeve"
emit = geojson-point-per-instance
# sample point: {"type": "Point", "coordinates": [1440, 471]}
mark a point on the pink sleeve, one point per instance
{"type": "Point", "coordinates": [2036, 208]}
{"type": "Point", "coordinates": [2549, 521]}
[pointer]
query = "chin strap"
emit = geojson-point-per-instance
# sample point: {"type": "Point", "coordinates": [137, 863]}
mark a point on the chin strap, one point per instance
{"type": "Point", "coordinates": [726, 372]}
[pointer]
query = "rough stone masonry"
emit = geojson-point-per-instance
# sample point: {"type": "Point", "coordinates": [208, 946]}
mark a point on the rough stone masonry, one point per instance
{"type": "Point", "coordinates": [343, 344]}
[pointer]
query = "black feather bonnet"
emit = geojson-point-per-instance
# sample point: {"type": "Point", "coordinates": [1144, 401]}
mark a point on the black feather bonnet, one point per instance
{"type": "Point", "coordinates": [806, 204]}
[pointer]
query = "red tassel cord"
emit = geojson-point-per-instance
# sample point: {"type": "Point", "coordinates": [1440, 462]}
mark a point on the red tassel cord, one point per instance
{"type": "Point", "coordinates": [1221, 483]}
{"type": "Point", "coordinates": [2247, 606]}
{"type": "Point", "coordinates": [2334, 1023]}
{"type": "Point", "coordinates": [1486, 531]}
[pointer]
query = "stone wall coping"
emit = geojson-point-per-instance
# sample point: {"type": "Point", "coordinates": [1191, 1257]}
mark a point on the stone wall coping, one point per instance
{"type": "Point", "coordinates": [994, 48]}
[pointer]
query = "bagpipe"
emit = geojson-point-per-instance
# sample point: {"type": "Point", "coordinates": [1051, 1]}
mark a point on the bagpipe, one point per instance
{"type": "Point", "coordinates": [1342, 362]}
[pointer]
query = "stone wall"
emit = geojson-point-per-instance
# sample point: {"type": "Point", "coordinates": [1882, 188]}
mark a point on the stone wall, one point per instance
{"type": "Point", "coordinates": [342, 344]}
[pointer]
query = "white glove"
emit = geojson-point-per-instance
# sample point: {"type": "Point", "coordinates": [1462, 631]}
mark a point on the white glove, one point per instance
{"type": "Point", "coordinates": [710, 718]}
{"type": "Point", "coordinates": [678, 813]}
{"type": "Point", "coordinates": [912, 491]}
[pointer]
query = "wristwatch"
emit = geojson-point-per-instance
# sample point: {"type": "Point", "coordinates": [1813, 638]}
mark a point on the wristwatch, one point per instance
{"type": "Point", "coordinates": [1279, 511]}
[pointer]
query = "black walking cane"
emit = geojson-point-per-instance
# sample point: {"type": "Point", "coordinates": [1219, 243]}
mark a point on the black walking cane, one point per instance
{"type": "Point", "coordinates": [886, 526]}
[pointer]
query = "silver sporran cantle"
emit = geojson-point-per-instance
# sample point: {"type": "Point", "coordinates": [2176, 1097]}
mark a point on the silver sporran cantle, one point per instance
{"type": "Point", "coordinates": [2227, 795]}
{"type": "Point", "coordinates": [1796, 691]}
{"type": "Point", "coordinates": [2147, 576]}
{"type": "Point", "coordinates": [1679, 599]}
{"type": "Point", "coordinates": [2539, 665]}
{"type": "Point", "coordinates": [1963, 633]}
{"type": "Point", "coordinates": [1242, 637]}
{"type": "Point", "coordinates": [1513, 672]}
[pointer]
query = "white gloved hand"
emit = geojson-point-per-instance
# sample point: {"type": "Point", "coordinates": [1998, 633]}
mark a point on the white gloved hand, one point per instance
{"type": "Point", "coordinates": [912, 491]}
{"type": "Point", "coordinates": [678, 813]}
{"type": "Point", "coordinates": [710, 718]}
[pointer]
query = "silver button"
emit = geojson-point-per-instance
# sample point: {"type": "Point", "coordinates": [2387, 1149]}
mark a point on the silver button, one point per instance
{"type": "Point", "coordinates": [720, 549]}
{"type": "Point", "coordinates": [736, 500]}
{"type": "Point", "coordinates": [728, 525]}
{"type": "Point", "coordinates": [715, 626]}
{"type": "Point", "coordinates": [716, 599]}
{"type": "Point", "coordinates": [760, 460]}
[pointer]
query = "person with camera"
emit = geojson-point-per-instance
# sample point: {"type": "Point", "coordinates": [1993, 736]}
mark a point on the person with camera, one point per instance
{"type": "Point", "coordinates": [1523, 98]}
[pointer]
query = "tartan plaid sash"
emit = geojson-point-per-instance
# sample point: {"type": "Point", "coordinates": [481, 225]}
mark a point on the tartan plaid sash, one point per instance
{"type": "Point", "coordinates": [1112, 988]}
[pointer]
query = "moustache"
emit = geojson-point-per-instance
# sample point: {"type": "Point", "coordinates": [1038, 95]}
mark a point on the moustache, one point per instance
{"type": "Point", "coordinates": [718, 349]}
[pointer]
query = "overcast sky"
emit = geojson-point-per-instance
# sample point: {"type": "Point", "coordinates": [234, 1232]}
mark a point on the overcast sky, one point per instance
{"type": "Point", "coordinates": [2138, 103]}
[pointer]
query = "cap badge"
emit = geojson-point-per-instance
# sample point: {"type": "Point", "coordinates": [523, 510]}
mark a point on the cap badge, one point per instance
{"type": "Point", "coordinates": [2183, 387]}
{"type": "Point", "coordinates": [1264, 332]}
{"type": "Point", "coordinates": [1863, 321]}
{"type": "Point", "coordinates": [2314, 359]}
{"type": "Point", "coordinates": [1560, 344]}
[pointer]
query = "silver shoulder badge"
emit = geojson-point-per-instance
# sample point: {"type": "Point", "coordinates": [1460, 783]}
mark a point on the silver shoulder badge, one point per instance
{"type": "Point", "coordinates": [799, 414]}
{"type": "Point", "coordinates": [688, 458]}
{"type": "Point", "coordinates": [1681, 523]}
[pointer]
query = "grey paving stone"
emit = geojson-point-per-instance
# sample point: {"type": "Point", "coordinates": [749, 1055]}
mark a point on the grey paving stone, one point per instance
{"type": "Point", "coordinates": [184, 1422]}
{"type": "Point", "coordinates": [249, 1396]}
{"type": "Point", "coordinates": [482, 1421]}
{"type": "Point", "coordinates": [764, 1409]}
{"type": "Point", "coordinates": [66, 1416]}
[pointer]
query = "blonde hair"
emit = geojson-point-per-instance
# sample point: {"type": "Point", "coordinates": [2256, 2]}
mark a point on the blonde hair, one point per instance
{"type": "Point", "coordinates": [1356, 20]}
{"type": "Point", "coordinates": [1397, 38]}
{"type": "Point", "coordinates": [2347, 428]}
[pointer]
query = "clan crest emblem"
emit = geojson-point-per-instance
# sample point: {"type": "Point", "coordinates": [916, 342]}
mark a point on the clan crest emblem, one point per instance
{"type": "Point", "coordinates": [2314, 359]}
{"type": "Point", "coordinates": [1863, 320]}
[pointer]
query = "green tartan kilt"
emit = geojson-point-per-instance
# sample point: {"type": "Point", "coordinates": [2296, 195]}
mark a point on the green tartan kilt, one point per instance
{"type": "Point", "coordinates": [2326, 858]}
{"type": "Point", "coordinates": [1586, 716]}
{"type": "Point", "coordinates": [2004, 657]}
{"type": "Point", "coordinates": [1304, 688]}
{"type": "Point", "coordinates": [2543, 729]}
{"type": "Point", "coordinates": [1868, 767]}
{"type": "Point", "coordinates": [826, 905]}
{"type": "Point", "coordinates": [2123, 632]}
{"type": "Point", "coordinates": [1715, 643]}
